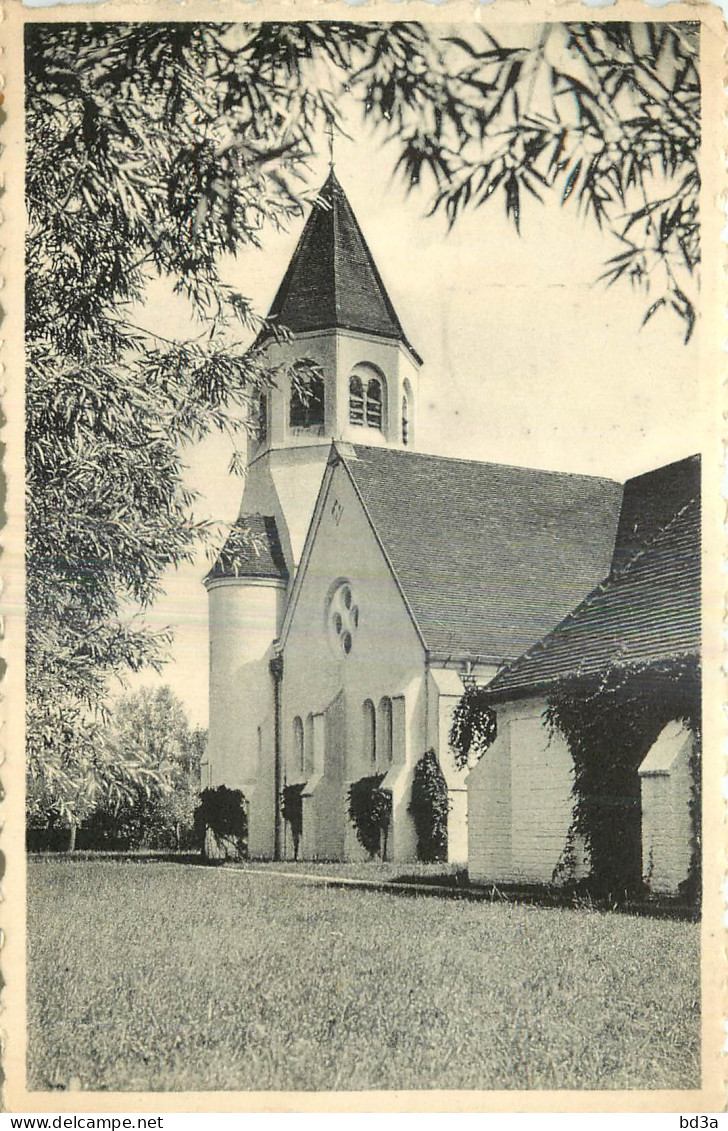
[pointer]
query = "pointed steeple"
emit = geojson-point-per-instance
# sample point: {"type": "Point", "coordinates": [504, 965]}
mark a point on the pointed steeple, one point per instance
{"type": "Point", "coordinates": [332, 281]}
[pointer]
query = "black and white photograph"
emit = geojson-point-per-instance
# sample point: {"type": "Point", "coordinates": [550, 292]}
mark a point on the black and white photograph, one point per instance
{"type": "Point", "coordinates": [363, 727]}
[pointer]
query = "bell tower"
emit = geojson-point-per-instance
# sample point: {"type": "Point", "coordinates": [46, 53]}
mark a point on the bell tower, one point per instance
{"type": "Point", "coordinates": [333, 303]}
{"type": "Point", "coordinates": [334, 307]}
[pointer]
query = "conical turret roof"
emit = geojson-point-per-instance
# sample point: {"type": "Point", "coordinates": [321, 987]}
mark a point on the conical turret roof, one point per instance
{"type": "Point", "coordinates": [332, 281]}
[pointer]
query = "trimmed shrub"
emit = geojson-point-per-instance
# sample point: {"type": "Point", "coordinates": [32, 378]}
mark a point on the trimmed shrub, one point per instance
{"type": "Point", "coordinates": [221, 824]}
{"type": "Point", "coordinates": [428, 807]}
{"type": "Point", "coordinates": [292, 812]}
{"type": "Point", "coordinates": [370, 812]}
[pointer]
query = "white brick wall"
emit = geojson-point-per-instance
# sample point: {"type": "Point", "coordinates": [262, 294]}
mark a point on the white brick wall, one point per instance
{"type": "Point", "coordinates": [666, 824]}
{"type": "Point", "coordinates": [489, 813]}
{"type": "Point", "coordinates": [541, 803]}
{"type": "Point", "coordinates": [519, 800]}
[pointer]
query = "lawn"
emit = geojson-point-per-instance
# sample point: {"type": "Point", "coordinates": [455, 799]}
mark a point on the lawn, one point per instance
{"type": "Point", "coordinates": [155, 976]}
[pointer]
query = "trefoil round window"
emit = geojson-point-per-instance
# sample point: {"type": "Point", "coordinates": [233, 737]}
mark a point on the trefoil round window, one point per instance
{"type": "Point", "coordinates": [342, 618]}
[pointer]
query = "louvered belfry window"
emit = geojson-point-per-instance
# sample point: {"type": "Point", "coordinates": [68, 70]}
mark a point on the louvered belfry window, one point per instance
{"type": "Point", "coordinates": [374, 404]}
{"type": "Point", "coordinates": [405, 420]}
{"type": "Point", "coordinates": [365, 403]}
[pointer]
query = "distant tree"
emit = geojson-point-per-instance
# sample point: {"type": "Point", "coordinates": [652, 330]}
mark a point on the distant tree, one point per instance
{"type": "Point", "coordinates": [155, 149]}
{"type": "Point", "coordinates": [151, 727]}
{"type": "Point", "coordinates": [72, 770]}
{"type": "Point", "coordinates": [135, 784]}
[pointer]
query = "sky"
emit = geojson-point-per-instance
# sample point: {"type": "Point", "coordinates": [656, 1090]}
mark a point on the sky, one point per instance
{"type": "Point", "coordinates": [528, 358]}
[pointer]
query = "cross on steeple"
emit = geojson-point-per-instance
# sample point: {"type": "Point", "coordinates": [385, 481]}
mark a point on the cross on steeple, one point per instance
{"type": "Point", "coordinates": [330, 134]}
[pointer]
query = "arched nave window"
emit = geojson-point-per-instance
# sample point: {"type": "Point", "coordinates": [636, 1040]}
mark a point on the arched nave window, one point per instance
{"type": "Point", "coordinates": [365, 401]}
{"type": "Point", "coordinates": [298, 744]}
{"type": "Point", "coordinates": [384, 731]}
{"type": "Point", "coordinates": [308, 745]}
{"type": "Point", "coordinates": [370, 732]}
{"type": "Point", "coordinates": [307, 404]}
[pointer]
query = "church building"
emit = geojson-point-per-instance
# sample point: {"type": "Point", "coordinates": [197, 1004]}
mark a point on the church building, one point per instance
{"type": "Point", "coordinates": [366, 582]}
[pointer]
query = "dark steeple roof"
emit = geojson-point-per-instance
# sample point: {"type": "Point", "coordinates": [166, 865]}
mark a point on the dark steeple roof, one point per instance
{"type": "Point", "coordinates": [332, 281]}
{"type": "Point", "coordinates": [252, 549]}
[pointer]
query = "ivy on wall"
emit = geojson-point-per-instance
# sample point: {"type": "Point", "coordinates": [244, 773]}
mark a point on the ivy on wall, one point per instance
{"type": "Point", "coordinates": [429, 807]}
{"type": "Point", "coordinates": [370, 812]}
{"type": "Point", "coordinates": [473, 726]}
{"type": "Point", "coordinates": [292, 812]}
{"type": "Point", "coordinates": [610, 721]}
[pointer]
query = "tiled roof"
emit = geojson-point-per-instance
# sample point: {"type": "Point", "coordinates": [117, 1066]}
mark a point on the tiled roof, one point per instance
{"type": "Point", "coordinates": [647, 612]}
{"type": "Point", "coordinates": [252, 549]}
{"type": "Point", "coordinates": [649, 503]}
{"type": "Point", "coordinates": [332, 280]}
{"type": "Point", "coordinates": [489, 557]}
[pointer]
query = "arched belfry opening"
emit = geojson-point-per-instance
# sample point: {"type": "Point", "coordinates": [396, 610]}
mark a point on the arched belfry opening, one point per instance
{"type": "Point", "coordinates": [407, 415]}
{"type": "Point", "coordinates": [307, 405]}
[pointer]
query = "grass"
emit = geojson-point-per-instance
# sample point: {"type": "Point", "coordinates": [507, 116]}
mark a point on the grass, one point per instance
{"type": "Point", "coordinates": [156, 976]}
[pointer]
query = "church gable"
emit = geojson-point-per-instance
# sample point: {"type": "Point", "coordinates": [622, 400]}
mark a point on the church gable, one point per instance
{"type": "Point", "coordinates": [346, 604]}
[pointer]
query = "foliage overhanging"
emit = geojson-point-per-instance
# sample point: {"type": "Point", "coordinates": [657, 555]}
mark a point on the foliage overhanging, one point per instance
{"type": "Point", "coordinates": [473, 726]}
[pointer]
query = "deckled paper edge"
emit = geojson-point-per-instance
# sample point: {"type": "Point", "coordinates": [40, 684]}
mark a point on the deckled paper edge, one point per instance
{"type": "Point", "coordinates": [712, 1094]}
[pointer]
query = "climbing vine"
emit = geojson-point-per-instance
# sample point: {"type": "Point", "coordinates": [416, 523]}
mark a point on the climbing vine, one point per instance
{"type": "Point", "coordinates": [473, 727]}
{"type": "Point", "coordinates": [429, 807]}
{"type": "Point", "coordinates": [292, 812]}
{"type": "Point", "coordinates": [610, 721]}
{"type": "Point", "coordinates": [370, 812]}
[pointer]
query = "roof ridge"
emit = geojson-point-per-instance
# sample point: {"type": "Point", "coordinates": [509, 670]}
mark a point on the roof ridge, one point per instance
{"type": "Point", "coordinates": [332, 180]}
{"type": "Point", "coordinates": [619, 572]}
{"type": "Point", "coordinates": [410, 453]}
